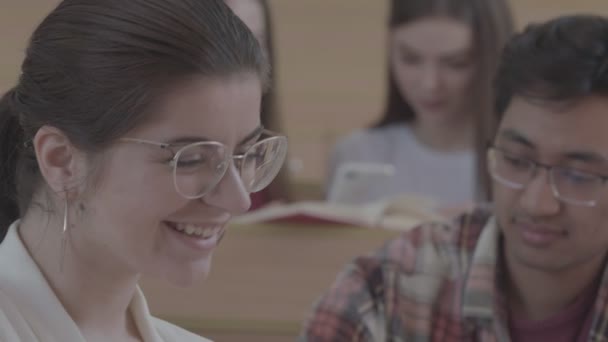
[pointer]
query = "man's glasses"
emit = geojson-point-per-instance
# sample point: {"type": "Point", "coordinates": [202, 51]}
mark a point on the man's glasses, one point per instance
{"type": "Point", "coordinates": [199, 167]}
{"type": "Point", "coordinates": [567, 184]}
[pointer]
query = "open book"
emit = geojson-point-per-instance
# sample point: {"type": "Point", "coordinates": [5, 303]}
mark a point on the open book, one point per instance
{"type": "Point", "coordinates": [399, 213]}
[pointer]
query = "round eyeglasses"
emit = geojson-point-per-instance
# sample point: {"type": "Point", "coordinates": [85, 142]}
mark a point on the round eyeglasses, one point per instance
{"type": "Point", "coordinates": [199, 167]}
{"type": "Point", "coordinates": [568, 184]}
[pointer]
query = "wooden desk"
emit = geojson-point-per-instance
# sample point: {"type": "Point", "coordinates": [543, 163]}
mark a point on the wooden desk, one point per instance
{"type": "Point", "coordinates": [263, 281]}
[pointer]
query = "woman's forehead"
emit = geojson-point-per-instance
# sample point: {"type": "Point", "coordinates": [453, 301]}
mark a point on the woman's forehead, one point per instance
{"type": "Point", "coordinates": [219, 109]}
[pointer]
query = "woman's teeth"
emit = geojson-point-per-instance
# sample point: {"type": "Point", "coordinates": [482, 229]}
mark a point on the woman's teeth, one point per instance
{"type": "Point", "coordinates": [196, 230]}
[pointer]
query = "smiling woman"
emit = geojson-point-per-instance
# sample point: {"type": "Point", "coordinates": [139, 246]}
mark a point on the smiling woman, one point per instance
{"type": "Point", "coordinates": [131, 138]}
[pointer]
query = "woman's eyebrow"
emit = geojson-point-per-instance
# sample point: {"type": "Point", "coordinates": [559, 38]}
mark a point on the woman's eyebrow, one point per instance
{"type": "Point", "coordinates": [189, 139]}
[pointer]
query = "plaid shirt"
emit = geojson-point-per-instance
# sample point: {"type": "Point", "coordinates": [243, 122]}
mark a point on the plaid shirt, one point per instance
{"type": "Point", "coordinates": [437, 282]}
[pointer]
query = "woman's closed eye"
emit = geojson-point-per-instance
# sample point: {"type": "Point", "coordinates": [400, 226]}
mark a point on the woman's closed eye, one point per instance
{"type": "Point", "coordinates": [191, 161]}
{"type": "Point", "coordinates": [515, 162]}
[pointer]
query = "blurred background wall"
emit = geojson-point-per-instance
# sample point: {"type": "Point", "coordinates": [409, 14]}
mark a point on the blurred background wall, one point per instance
{"type": "Point", "coordinates": [331, 63]}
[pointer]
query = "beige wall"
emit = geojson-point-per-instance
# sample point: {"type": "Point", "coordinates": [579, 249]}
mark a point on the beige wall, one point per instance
{"type": "Point", "coordinates": [331, 61]}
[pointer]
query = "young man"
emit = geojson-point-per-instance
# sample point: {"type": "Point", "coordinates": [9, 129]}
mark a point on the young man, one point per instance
{"type": "Point", "coordinates": [533, 268]}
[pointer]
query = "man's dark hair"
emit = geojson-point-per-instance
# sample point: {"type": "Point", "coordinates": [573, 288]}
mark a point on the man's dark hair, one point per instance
{"type": "Point", "coordinates": [562, 60]}
{"type": "Point", "coordinates": [558, 61]}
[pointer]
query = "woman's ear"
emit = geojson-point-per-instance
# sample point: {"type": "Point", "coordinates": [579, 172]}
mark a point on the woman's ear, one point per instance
{"type": "Point", "coordinates": [61, 164]}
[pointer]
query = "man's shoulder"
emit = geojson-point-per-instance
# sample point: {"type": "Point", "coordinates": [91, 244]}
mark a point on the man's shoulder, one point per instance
{"type": "Point", "coordinates": [410, 284]}
{"type": "Point", "coordinates": [431, 248]}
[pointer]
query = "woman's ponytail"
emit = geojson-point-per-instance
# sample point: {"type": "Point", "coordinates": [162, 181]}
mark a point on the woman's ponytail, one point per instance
{"type": "Point", "coordinates": [11, 140]}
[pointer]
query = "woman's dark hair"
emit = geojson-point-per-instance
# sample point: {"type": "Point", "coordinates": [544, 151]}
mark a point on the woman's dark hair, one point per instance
{"type": "Point", "coordinates": [94, 67]}
{"type": "Point", "coordinates": [270, 116]}
{"type": "Point", "coordinates": [559, 61]}
{"type": "Point", "coordinates": [492, 26]}
{"type": "Point", "coordinates": [269, 113]}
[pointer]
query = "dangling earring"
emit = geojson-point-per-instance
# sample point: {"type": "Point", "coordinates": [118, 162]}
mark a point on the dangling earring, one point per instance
{"type": "Point", "coordinates": [64, 234]}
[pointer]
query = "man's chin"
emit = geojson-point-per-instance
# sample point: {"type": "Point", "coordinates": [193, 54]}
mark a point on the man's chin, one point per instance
{"type": "Point", "coordinates": [535, 259]}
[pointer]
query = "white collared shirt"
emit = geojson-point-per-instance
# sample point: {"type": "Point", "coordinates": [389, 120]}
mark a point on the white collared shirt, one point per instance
{"type": "Point", "coordinates": [31, 312]}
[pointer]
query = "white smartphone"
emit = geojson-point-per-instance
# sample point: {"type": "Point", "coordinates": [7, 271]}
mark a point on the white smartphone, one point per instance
{"type": "Point", "coordinates": [352, 181]}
